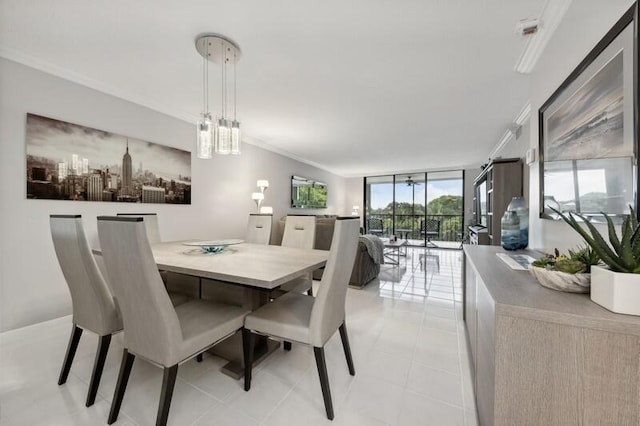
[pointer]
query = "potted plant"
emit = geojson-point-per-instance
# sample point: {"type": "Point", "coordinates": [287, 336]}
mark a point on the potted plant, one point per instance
{"type": "Point", "coordinates": [616, 287]}
{"type": "Point", "coordinates": [570, 273]}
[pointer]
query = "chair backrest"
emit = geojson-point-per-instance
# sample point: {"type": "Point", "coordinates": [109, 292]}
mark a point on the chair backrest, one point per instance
{"type": "Point", "coordinates": [329, 306]}
{"type": "Point", "coordinates": [151, 325]}
{"type": "Point", "coordinates": [150, 223]}
{"type": "Point", "coordinates": [375, 224]}
{"type": "Point", "coordinates": [299, 232]}
{"type": "Point", "coordinates": [93, 305]}
{"type": "Point", "coordinates": [259, 229]}
{"type": "Point", "coordinates": [430, 226]}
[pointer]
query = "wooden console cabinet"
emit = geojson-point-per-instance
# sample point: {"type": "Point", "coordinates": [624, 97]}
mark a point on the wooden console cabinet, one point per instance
{"type": "Point", "coordinates": [543, 357]}
{"type": "Point", "coordinates": [478, 235]}
{"type": "Point", "coordinates": [498, 183]}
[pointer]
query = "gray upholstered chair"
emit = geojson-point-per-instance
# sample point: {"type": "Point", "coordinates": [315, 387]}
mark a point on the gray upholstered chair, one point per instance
{"type": "Point", "coordinates": [304, 319]}
{"type": "Point", "coordinates": [150, 223]}
{"type": "Point", "coordinates": [153, 328]}
{"type": "Point", "coordinates": [94, 307]}
{"type": "Point", "coordinates": [299, 232]}
{"type": "Point", "coordinates": [259, 229]}
{"type": "Point", "coordinates": [176, 290]}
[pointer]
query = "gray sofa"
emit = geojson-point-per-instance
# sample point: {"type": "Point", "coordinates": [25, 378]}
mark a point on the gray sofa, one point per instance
{"type": "Point", "coordinates": [364, 268]}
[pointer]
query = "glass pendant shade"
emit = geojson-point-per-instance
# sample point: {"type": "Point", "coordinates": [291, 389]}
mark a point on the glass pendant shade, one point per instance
{"type": "Point", "coordinates": [223, 137]}
{"type": "Point", "coordinates": [205, 136]}
{"type": "Point", "coordinates": [235, 137]}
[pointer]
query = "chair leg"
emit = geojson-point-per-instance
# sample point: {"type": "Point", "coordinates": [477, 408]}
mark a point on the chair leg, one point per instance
{"type": "Point", "coordinates": [324, 380]}
{"type": "Point", "coordinates": [347, 348]}
{"type": "Point", "coordinates": [98, 366]}
{"type": "Point", "coordinates": [199, 358]}
{"type": "Point", "coordinates": [286, 345]}
{"type": "Point", "coordinates": [74, 339]}
{"type": "Point", "coordinates": [121, 385]}
{"type": "Point", "coordinates": [168, 383]}
{"type": "Point", "coordinates": [248, 343]}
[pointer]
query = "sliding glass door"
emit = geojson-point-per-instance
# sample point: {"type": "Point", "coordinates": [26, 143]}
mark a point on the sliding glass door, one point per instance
{"type": "Point", "coordinates": [409, 206]}
{"type": "Point", "coordinates": [445, 212]}
{"type": "Point", "coordinates": [426, 209]}
{"type": "Point", "coordinates": [379, 195]}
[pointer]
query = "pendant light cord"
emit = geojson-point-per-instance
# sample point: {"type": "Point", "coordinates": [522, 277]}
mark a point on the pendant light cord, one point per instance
{"type": "Point", "coordinates": [204, 85]}
{"type": "Point", "coordinates": [223, 57]}
{"type": "Point", "coordinates": [206, 77]}
{"type": "Point", "coordinates": [226, 59]}
{"type": "Point", "coordinates": [235, 84]}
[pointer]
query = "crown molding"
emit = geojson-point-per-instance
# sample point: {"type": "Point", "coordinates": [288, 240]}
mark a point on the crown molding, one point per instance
{"type": "Point", "coordinates": [83, 80]}
{"type": "Point", "coordinates": [524, 115]}
{"type": "Point", "coordinates": [552, 13]}
{"type": "Point", "coordinates": [264, 145]}
{"type": "Point", "coordinates": [155, 105]}
{"type": "Point", "coordinates": [513, 131]}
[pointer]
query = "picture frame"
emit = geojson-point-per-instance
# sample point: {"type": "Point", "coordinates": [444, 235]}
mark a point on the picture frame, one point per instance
{"type": "Point", "coordinates": [588, 139]}
{"type": "Point", "coordinates": [68, 161]}
{"type": "Point", "coordinates": [307, 193]}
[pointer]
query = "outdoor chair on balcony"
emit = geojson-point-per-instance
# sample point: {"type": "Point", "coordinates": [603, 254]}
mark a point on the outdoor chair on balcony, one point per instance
{"type": "Point", "coordinates": [375, 226]}
{"type": "Point", "coordinates": [431, 228]}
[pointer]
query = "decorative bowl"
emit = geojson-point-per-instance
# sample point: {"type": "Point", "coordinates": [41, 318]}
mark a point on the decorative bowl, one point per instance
{"type": "Point", "coordinates": [562, 281]}
{"type": "Point", "coordinates": [213, 246]}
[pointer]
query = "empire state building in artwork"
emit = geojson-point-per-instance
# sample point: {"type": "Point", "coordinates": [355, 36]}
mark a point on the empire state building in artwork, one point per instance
{"type": "Point", "coordinates": [127, 187]}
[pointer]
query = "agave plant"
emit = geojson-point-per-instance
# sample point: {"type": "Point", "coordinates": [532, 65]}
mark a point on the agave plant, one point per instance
{"type": "Point", "coordinates": [622, 254]}
{"type": "Point", "coordinates": [578, 261]}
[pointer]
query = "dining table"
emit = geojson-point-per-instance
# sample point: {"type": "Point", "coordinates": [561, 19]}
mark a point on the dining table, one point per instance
{"type": "Point", "coordinates": [258, 268]}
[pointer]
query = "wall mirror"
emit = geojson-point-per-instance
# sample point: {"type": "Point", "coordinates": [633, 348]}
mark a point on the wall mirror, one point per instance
{"type": "Point", "coordinates": [588, 142]}
{"type": "Point", "coordinates": [307, 193]}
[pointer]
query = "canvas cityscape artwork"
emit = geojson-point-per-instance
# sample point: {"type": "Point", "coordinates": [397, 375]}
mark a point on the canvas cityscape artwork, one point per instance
{"type": "Point", "coordinates": [68, 161]}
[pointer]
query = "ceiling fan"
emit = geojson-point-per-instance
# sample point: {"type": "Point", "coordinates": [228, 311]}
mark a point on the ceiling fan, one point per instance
{"type": "Point", "coordinates": [410, 182]}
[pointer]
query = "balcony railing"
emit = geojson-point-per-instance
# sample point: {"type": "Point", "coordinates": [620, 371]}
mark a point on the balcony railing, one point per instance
{"type": "Point", "coordinates": [409, 226]}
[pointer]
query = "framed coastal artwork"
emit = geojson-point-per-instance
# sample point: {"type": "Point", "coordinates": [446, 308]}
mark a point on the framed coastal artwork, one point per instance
{"type": "Point", "coordinates": [588, 139]}
{"type": "Point", "coordinates": [67, 161]}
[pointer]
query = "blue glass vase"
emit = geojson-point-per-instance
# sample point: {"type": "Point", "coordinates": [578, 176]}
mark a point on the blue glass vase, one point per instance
{"type": "Point", "coordinates": [510, 232]}
{"type": "Point", "coordinates": [519, 206]}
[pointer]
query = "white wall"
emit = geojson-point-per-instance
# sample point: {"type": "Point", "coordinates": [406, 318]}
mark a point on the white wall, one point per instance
{"type": "Point", "coordinates": [585, 23]}
{"type": "Point", "coordinates": [32, 287]}
{"type": "Point", "coordinates": [517, 148]}
{"type": "Point", "coordinates": [355, 195]}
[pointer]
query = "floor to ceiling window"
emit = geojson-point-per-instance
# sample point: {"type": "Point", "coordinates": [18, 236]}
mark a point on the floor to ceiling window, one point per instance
{"type": "Point", "coordinates": [425, 209]}
{"type": "Point", "coordinates": [409, 205]}
{"type": "Point", "coordinates": [445, 207]}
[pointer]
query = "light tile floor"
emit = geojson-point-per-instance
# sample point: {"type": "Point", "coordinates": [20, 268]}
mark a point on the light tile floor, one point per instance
{"type": "Point", "coordinates": [407, 340]}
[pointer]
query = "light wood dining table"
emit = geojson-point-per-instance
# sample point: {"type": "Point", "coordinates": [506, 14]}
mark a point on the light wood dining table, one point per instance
{"type": "Point", "coordinates": [253, 265]}
{"type": "Point", "coordinates": [257, 268]}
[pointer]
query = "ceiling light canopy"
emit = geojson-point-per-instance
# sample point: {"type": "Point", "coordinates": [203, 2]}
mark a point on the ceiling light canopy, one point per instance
{"type": "Point", "coordinates": [224, 137]}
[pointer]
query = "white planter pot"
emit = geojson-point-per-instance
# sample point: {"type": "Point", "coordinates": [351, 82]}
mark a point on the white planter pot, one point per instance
{"type": "Point", "coordinates": [618, 292]}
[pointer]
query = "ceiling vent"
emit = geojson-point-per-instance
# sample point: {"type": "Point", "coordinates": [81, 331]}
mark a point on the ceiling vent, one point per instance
{"type": "Point", "coordinates": [527, 27]}
{"type": "Point", "coordinates": [538, 32]}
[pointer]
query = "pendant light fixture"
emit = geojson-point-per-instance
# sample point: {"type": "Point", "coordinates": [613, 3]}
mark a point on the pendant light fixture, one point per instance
{"type": "Point", "coordinates": [225, 135]}
{"type": "Point", "coordinates": [204, 124]}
